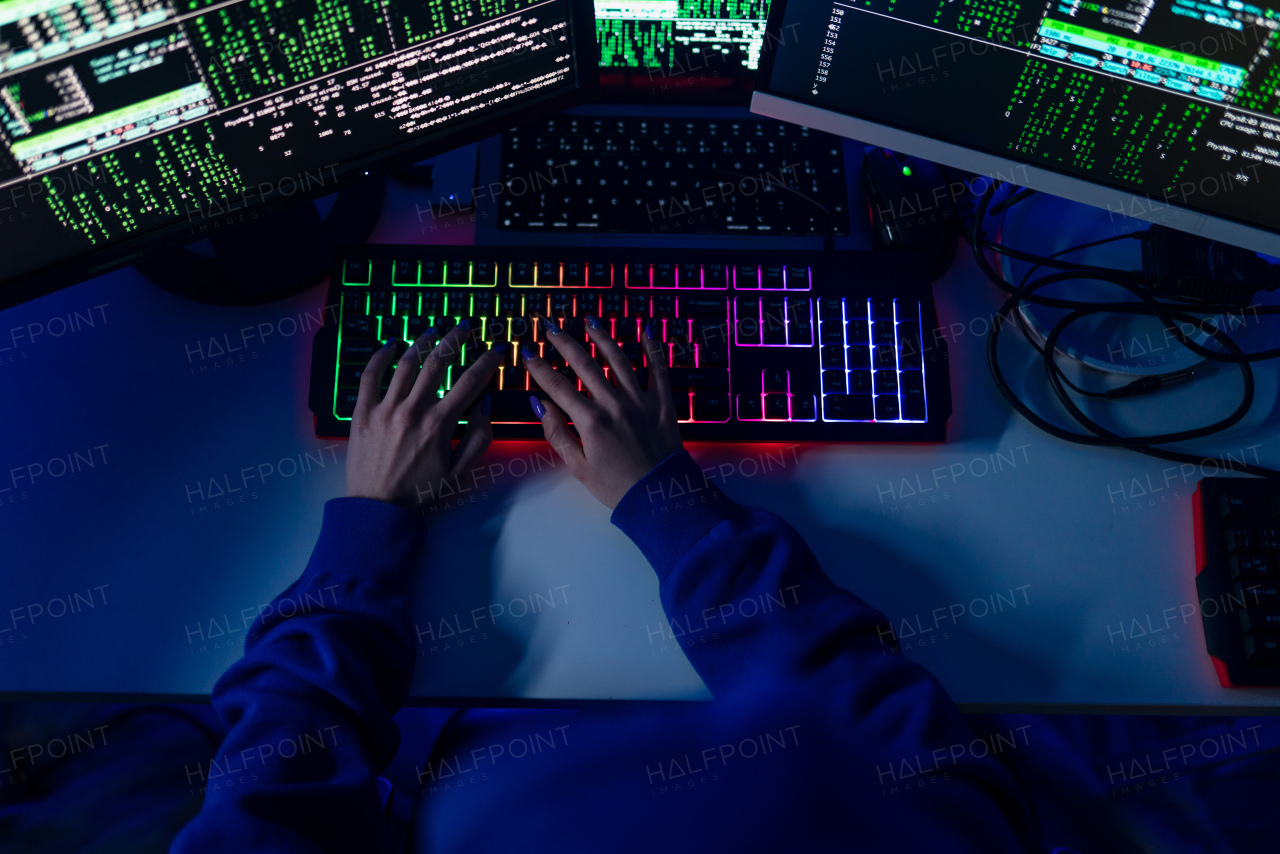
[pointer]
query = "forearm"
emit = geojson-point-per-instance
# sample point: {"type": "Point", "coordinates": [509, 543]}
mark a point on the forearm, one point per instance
{"type": "Point", "coordinates": [308, 710]}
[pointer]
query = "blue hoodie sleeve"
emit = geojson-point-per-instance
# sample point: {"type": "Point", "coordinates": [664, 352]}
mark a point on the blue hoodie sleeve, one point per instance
{"type": "Point", "coordinates": [748, 602]}
{"type": "Point", "coordinates": [308, 710]}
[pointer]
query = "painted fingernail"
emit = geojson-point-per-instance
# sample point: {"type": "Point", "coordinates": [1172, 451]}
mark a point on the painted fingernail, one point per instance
{"type": "Point", "coordinates": [552, 326]}
{"type": "Point", "coordinates": [648, 330]}
{"type": "Point", "coordinates": [391, 342]}
{"type": "Point", "coordinates": [538, 409]}
{"type": "Point", "coordinates": [464, 324]}
{"type": "Point", "coordinates": [526, 353]}
{"type": "Point", "coordinates": [486, 404]}
{"type": "Point", "coordinates": [430, 330]}
{"type": "Point", "coordinates": [503, 347]}
{"type": "Point", "coordinates": [593, 321]}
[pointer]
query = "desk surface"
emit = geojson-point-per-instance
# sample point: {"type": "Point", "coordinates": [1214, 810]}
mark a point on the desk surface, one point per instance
{"type": "Point", "coordinates": [1021, 570]}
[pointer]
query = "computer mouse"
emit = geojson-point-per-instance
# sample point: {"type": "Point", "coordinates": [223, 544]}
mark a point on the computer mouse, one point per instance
{"type": "Point", "coordinates": [911, 206]}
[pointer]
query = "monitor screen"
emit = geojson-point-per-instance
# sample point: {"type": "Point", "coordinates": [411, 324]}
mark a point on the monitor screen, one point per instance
{"type": "Point", "coordinates": [1174, 103]}
{"type": "Point", "coordinates": [637, 34]}
{"type": "Point", "coordinates": [121, 120]}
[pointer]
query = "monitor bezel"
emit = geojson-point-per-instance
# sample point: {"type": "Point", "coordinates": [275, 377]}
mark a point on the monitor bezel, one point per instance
{"type": "Point", "coordinates": [373, 166]}
{"type": "Point", "coordinates": [1192, 220]}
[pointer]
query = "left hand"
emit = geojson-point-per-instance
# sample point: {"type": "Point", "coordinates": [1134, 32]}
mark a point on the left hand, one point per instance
{"type": "Point", "coordinates": [401, 445]}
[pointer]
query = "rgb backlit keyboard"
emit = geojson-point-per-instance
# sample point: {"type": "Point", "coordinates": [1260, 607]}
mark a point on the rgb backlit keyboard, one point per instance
{"type": "Point", "coordinates": [760, 346]}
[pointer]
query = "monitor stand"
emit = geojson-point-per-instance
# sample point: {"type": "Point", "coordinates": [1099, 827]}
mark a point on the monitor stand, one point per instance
{"type": "Point", "coordinates": [283, 253]}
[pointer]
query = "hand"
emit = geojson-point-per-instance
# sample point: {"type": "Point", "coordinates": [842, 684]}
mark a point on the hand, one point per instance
{"type": "Point", "coordinates": [401, 446]}
{"type": "Point", "coordinates": [625, 431]}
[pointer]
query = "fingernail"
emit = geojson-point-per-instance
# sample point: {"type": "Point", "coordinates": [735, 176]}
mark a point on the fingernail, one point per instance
{"type": "Point", "coordinates": [486, 404]}
{"type": "Point", "coordinates": [593, 321]}
{"type": "Point", "coordinates": [552, 326]}
{"type": "Point", "coordinates": [525, 352]}
{"type": "Point", "coordinates": [464, 325]}
{"type": "Point", "coordinates": [538, 409]}
{"type": "Point", "coordinates": [430, 330]}
{"type": "Point", "coordinates": [503, 347]}
{"type": "Point", "coordinates": [648, 330]}
{"type": "Point", "coordinates": [391, 342]}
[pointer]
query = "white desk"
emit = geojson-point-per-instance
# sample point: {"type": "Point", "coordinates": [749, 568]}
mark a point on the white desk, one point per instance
{"type": "Point", "coordinates": [1057, 541]}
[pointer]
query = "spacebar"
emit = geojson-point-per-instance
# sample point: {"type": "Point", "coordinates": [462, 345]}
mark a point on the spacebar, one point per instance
{"type": "Point", "coordinates": [512, 406]}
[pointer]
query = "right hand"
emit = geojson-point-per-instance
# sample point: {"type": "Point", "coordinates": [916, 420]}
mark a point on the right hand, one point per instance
{"type": "Point", "coordinates": [625, 431]}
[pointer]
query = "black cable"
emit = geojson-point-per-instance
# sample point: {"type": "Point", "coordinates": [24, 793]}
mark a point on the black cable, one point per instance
{"type": "Point", "coordinates": [1147, 305]}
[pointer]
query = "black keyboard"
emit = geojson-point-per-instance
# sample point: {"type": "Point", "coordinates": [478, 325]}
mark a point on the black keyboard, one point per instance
{"type": "Point", "coordinates": [673, 176]}
{"type": "Point", "coordinates": [1237, 535]}
{"type": "Point", "coordinates": [761, 345]}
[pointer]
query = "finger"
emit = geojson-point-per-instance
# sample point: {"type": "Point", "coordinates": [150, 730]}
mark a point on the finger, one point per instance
{"type": "Point", "coordinates": [479, 435]}
{"type": "Point", "coordinates": [556, 428]}
{"type": "Point", "coordinates": [587, 368]}
{"type": "Point", "coordinates": [557, 385]}
{"type": "Point", "coordinates": [371, 379]}
{"type": "Point", "coordinates": [656, 356]}
{"type": "Point", "coordinates": [468, 387]}
{"type": "Point", "coordinates": [437, 364]}
{"type": "Point", "coordinates": [624, 377]}
{"type": "Point", "coordinates": [406, 371]}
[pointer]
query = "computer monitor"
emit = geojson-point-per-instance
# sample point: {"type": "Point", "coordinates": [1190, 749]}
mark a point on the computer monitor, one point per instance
{"type": "Point", "coordinates": [704, 44]}
{"type": "Point", "coordinates": [1164, 110]}
{"type": "Point", "coordinates": [138, 121]}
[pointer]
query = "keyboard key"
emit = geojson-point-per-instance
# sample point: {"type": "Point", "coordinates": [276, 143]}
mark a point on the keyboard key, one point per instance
{"type": "Point", "coordinates": [548, 274]}
{"type": "Point", "coordinates": [458, 274]}
{"type": "Point", "coordinates": [1249, 566]}
{"type": "Point", "coordinates": [831, 308]}
{"type": "Point", "coordinates": [1269, 538]}
{"type": "Point", "coordinates": [1259, 619]}
{"type": "Point", "coordinates": [711, 405]}
{"type": "Point", "coordinates": [511, 406]}
{"type": "Point", "coordinates": [910, 354]}
{"type": "Point", "coordinates": [393, 326]}
{"type": "Point", "coordinates": [612, 305]}
{"type": "Point", "coordinates": [775, 407]}
{"type": "Point", "coordinates": [664, 306]}
{"type": "Point", "coordinates": [514, 377]}
{"type": "Point", "coordinates": [359, 326]}
{"type": "Point", "coordinates": [858, 330]}
{"type": "Point", "coordinates": [357, 271]}
{"type": "Point", "coordinates": [803, 407]}
{"type": "Point", "coordinates": [573, 274]}
{"type": "Point", "coordinates": [431, 273]}
{"type": "Point", "coordinates": [405, 303]}
{"type": "Point", "coordinates": [882, 308]}
{"type": "Point", "coordinates": [349, 375]}
{"type": "Point", "coordinates": [510, 305]}
{"type": "Point", "coordinates": [913, 404]}
{"type": "Point", "coordinates": [832, 356]}
{"type": "Point", "coordinates": [404, 273]}
{"type": "Point", "coordinates": [683, 407]}
{"type": "Point", "coordinates": [860, 382]}
{"type": "Point", "coordinates": [690, 276]}
{"type": "Point", "coordinates": [431, 304]}
{"type": "Point", "coordinates": [699, 378]}
{"type": "Point", "coordinates": [882, 333]}
{"type": "Point", "coordinates": [833, 382]}
{"type": "Point", "coordinates": [1238, 539]}
{"type": "Point", "coordinates": [637, 275]}
{"type": "Point", "coordinates": [358, 350]}
{"type": "Point", "coordinates": [1232, 506]}
{"type": "Point", "coordinates": [749, 408]}
{"type": "Point", "coordinates": [831, 332]}
{"type": "Point", "coordinates": [774, 330]}
{"type": "Point", "coordinates": [484, 274]}
{"type": "Point", "coordinates": [859, 356]}
{"type": "Point", "coordinates": [1264, 593]}
{"type": "Point", "coordinates": [522, 274]}
{"type": "Point", "coordinates": [771, 277]}
{"type": "Point", "coordinates": [883, 357]}
{"type": "Point", "coordinates": [416, 326]}
{"type": "Point", "coordinates": [715, 276]}
{"type": "Point", "coordinates": [664, 275]}
{"type": "Point", "coordinates": [701, 306]}
{"type": "Point", "coordinates": [354, 302]}
{"type": "Point", "coordinates": [746, 277]}
{"type": "Point", "coordinates": [886, 408]}
{"type": "Point", "coordinates": [1262, 648]}
{"type": "Point", "coordinates": [799, 322]}
{"type": "Point", "coordinates": [797, 278]}
{"type": "Point", "coordinates": [379, 302]}
{"type": "Point", "coordinates": [345, 402]}
{"type": "Point", "coordinates": [886, 382]}
{"type": "Point", "coordinates": [713, 354]}
{"type": "Point", "coordinates": [846, 407]}
{"type": "Point", "coordinates": [775, 380]}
